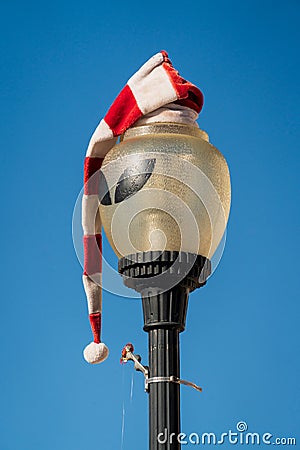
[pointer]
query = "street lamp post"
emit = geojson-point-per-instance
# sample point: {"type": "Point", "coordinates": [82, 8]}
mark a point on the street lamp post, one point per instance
{"type": "Point", "coordinates": [164, 318]}
{"type": "Point", "coordinates": [177, 191]}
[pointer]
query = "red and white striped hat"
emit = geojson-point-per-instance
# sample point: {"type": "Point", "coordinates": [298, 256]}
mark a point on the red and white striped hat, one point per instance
{"type": "Point", "coordinates": [153, 91]}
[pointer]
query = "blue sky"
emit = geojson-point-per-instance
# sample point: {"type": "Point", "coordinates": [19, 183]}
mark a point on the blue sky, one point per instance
{"type": "Point", "coordinates": [62, 64]}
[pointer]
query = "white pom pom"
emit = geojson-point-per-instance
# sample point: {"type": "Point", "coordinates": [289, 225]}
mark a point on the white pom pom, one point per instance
{"type": "Point", "coordinates": [95, 353]}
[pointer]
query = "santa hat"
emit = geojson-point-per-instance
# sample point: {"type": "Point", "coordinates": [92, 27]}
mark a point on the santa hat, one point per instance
{"type": "Point", "coordinates": [155, 93]}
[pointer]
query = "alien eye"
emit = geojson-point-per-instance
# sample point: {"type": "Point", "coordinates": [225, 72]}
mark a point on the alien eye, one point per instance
{"type": "Point", "coordinates": [104, 195]}
{"type": "Point", "coordinates": [133, 179]}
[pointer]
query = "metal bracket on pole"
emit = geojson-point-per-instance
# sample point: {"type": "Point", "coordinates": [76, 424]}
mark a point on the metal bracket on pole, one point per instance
{"type": "Point", "coordinates": [127, 355]}
{"type": "Point", "coordinates": [173, 379]}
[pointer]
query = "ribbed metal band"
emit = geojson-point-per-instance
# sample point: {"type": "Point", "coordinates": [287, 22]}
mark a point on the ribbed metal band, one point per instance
{"type": "Point", "coordinates": [140, 269]}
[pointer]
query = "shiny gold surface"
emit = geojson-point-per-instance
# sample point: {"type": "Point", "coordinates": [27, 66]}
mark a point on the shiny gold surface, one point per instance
{"type": "Point", "coordinates": [185, 203]}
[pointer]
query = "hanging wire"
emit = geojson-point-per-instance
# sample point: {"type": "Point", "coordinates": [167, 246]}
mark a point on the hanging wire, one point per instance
{"type": "Point", "coordinates": [123, 403]}
{"type": "Point", "coordinates": [123, 426]}
{"type": "Point", "coordinates": [123, 409]}
{"type": "Point", "coordinates": [131, 388]}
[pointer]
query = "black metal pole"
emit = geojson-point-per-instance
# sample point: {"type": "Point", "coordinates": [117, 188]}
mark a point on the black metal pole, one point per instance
{"type": "Point", "coordinates": [164, 318]}
{"type": "Point", "coordinates": [164, 397]}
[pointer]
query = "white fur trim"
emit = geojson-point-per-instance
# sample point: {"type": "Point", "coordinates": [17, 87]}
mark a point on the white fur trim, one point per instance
{"type": "Point", "coordinates": [95, 353]}
{"type": "Point", "coordinates": [170, 113]}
